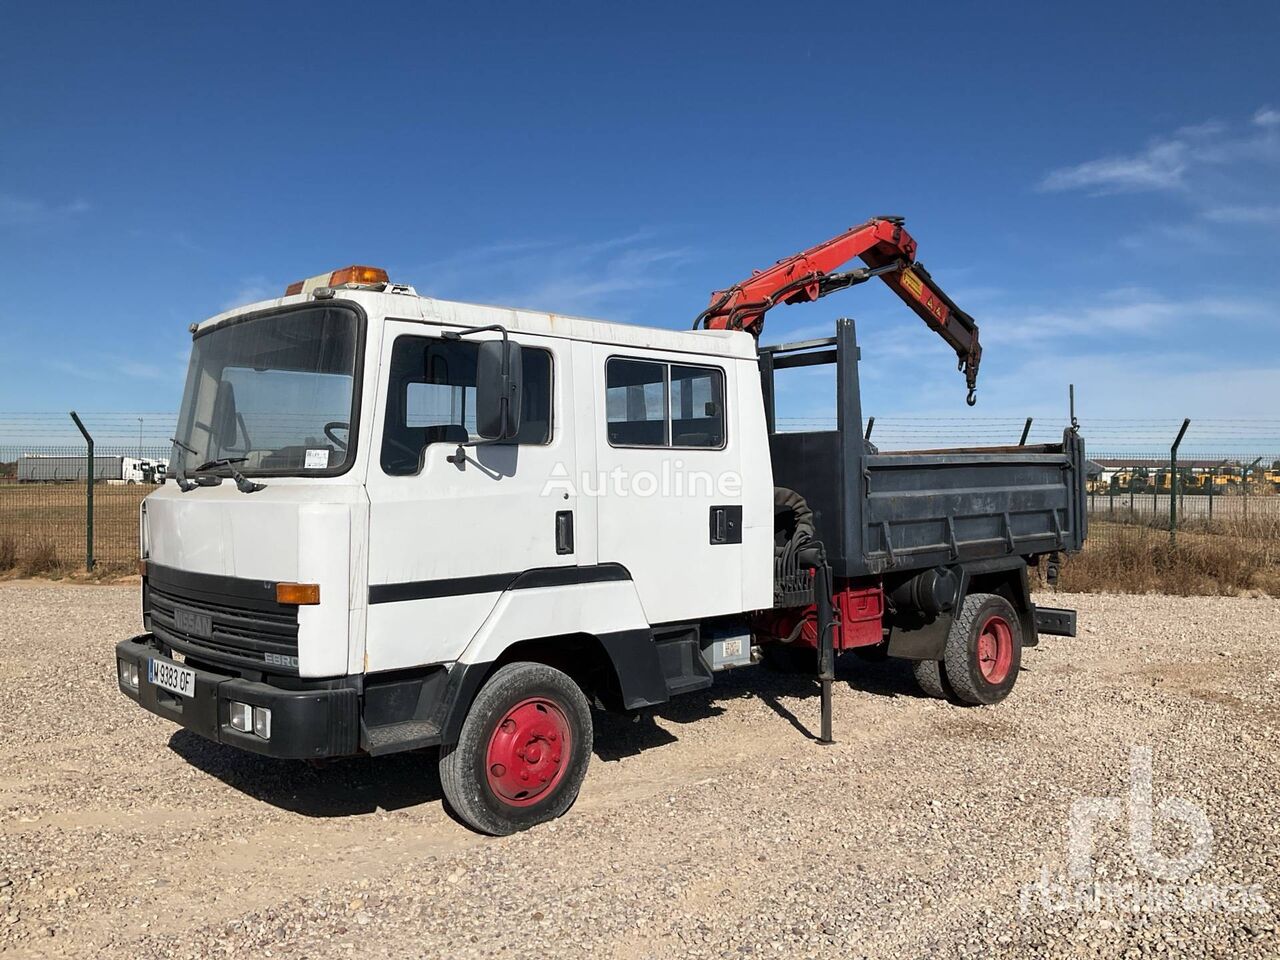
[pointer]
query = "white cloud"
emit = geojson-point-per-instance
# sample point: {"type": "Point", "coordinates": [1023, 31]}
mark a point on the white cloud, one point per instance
{"type": "Point", "coordinates": [1267, 117]}
{"type": "Point", "coordinates": [1168, 163]}
{"type": "Point", "coordinates": [251, 290]}
{"type": "Point", "coordinates": [590, 277]}
{"type": "Point", "coordinates": [1160, 167]}
{"type": "Point", "coordinates": [1238, 213]}
{"type": "Point", "coordinates": [28, 212]}
{"type": "Point", "coordinates": [1117, 312]}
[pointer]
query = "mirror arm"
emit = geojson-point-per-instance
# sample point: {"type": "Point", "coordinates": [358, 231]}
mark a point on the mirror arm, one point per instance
{"type": "Point", "coordinates": [459, 334]}
{"type": "Point", "coordinates": [459, 456]}
{"type": "Point", "coordinates": [506, 360]}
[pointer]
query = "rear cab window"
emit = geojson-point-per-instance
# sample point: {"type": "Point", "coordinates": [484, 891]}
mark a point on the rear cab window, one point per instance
{"type": "Point", "coordinates": [652, 403]}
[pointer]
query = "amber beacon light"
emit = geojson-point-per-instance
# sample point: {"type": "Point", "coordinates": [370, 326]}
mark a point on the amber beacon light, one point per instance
{"type": "Point", "coordinates": [353, 277]}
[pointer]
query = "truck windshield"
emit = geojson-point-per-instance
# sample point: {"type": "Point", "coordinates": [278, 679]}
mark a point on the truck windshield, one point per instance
{"type": "Point", "coordinates": [277, 390]}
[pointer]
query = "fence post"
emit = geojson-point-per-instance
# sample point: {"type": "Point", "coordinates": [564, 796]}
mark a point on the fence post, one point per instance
{"type": "Point", "coordinates": [1244, 486]}
{"type": "Point", "coordinates": [1173, 481]}
{"type": "Point", "coordinates": [88, 505]}
{"type": "Point", "coordinates": [1026, 430]}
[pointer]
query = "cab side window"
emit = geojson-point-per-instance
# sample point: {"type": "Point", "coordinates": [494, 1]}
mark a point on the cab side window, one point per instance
{"type": "Point", "coordinates": [650, 403]}
{"type": "Point", "coordinates": [636, 403]}
{"type": "Point", "coordinates": [697, 407]}
{"type": "Point", "coordinates": [431, 398]}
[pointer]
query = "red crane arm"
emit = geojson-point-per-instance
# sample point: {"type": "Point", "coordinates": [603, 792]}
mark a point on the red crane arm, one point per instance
{"type": "Point", "coordinates": [889, 253]}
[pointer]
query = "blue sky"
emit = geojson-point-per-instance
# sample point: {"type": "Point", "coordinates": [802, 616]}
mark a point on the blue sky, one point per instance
{"type": "Point", "coordinates": [1098, 184]}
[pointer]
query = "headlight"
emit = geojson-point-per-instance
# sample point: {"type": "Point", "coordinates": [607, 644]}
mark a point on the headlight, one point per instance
{"type": "Point", "coordinates": [241, 716]}
{"type": "Point", "coordinates": [246, 718]}
{"type": "Point", "coordinates": [128, 673]}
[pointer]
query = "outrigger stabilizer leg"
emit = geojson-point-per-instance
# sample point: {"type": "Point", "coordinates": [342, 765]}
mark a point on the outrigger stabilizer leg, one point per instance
{"type": "Point", "coordinates": [826, 646]}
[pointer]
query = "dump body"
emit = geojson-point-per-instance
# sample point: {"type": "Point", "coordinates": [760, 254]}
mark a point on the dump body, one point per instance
{"type": "Point", "coordinates": [893, 512]}
{"type": "Point", "coordinates": [880, 513]}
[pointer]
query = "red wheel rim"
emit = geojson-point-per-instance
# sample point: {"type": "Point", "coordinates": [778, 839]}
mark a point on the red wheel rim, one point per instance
{"type": "Point", "coordinates": [995, 650]}
{"type": "Point", "coordinates": [529, 751]}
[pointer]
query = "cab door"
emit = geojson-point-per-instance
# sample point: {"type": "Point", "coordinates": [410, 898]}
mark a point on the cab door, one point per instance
{"type": "Point", "coordinates": [669, 497]}
{"type": "Point", "coordinates": [445, 538]}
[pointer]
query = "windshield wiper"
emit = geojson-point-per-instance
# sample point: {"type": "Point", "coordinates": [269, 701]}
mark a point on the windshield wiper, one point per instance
{"type": "Point", "coordinates": [221, 462]}
{"type": "Point", "coordinates": [180, 474]}
{"type": "Point", "coordinates": [243, 483]}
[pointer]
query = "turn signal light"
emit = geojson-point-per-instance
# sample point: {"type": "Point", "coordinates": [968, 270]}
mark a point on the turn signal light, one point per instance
{"type": "Point", "coordinates": [298, 594]}
{"type": "Point", "coordinates": [353, 276]}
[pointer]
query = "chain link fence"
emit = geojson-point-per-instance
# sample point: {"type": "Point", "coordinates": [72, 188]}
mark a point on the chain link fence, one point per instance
{"type": "Point", "coordinates": [1203, 518]}
{"type": "Point", "coordinates": [1204, 525]}
{"type": "Point", "coordinates": [45, 505]}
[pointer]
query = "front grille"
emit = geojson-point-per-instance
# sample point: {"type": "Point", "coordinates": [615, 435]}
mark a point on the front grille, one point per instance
{"type": "Point", "coordinates": [248, 629]}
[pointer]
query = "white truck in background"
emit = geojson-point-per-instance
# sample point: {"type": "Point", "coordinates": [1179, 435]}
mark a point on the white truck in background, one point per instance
{"type": "Point", "coordinates": [74, 468]}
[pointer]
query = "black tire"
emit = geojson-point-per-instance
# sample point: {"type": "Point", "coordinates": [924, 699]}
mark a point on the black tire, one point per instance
{"type": "Point", "coordinates": [790, 658]}
{"type": "Point", "coordinates": [929, 678]}
{"type": "Point", "coordinates": [976, 678]}
{"type": "Point", "coordinates": [464, 770]}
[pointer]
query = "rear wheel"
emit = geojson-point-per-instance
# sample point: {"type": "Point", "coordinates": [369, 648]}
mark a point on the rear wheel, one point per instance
{"type": "Point", "coordinates": [523, 751]}
{"type": "Point", "coordinates": [984, 649]}
{"type": "Point", "coordinates": [929, 678]}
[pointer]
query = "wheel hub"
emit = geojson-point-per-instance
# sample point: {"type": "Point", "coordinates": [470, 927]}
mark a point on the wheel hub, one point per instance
{"type": "Point", "coordinates": [995, 650]}
{"type": "Point", "coordinates": [528, 751]}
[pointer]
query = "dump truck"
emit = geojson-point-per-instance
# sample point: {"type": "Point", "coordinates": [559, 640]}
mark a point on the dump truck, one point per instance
{"type": "Point", "coordinates": [397, 523]}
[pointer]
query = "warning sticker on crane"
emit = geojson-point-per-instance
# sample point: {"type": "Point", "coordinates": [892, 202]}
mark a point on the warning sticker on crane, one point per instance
{"type": "Point", "coordinates": [912, 283]}
{"type": "Point", "coordinates": [924, 295]}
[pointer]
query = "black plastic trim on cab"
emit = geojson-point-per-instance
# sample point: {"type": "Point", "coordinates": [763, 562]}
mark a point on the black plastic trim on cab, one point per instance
{"type": "Point", "coordinates": [497, 582]}
{"type": "Point", "coordinates": [260, 594]}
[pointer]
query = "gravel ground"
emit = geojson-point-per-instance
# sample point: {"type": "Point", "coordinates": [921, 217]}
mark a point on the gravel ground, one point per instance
{"type": "Point", "coordinates": [923, 831]}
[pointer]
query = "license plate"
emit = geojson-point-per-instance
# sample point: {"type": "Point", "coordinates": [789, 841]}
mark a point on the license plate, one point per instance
{"type": "Point", "coordinates": [171, 677]}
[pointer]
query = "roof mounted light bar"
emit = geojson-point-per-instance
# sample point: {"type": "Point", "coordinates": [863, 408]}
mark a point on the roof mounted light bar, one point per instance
{"type": "Point", "coordinates": [351, 278]}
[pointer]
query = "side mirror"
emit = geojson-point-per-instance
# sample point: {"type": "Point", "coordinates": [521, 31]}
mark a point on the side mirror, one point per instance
{"type": "Point", "coordinates": [498, 389]}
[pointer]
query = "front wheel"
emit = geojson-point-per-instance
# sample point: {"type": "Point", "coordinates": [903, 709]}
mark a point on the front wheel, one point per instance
{"type": "Point", "coordinates": [523, 751]}
{"type": "Point", "coordinates": [984, 649]}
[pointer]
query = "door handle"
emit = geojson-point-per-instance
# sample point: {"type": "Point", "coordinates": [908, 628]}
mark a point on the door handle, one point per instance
{"type": "Point", "coordinates": [726, 524]}
{"type": "Point", "coordinates": [564, 532]}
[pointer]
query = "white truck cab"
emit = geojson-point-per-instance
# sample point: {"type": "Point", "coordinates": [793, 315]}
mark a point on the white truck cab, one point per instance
{"type": "Point", "coordinates": [394, 522]}
{"type": "Point", "coordinates": [385, 557]}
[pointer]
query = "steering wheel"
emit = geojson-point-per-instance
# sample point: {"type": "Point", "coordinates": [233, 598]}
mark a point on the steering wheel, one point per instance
{"type": "Point", "coordinates": [333, 425]}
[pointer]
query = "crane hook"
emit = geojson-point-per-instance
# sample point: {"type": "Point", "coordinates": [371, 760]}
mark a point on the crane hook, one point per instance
{"type": "Point", "coordinates": [972, 399]}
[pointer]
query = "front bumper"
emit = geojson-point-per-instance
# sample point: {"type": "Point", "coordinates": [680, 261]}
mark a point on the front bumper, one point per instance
{"type": "Point", "coordinates": [321, 720]}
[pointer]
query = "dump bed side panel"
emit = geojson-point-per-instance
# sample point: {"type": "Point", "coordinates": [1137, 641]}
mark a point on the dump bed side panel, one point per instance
{"type": "Point", "coordinates": [923, 509]}
{"type": "Point", "coordinates": [918, 510]}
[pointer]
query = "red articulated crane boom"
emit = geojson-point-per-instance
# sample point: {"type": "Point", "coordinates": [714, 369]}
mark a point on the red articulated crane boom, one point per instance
{"type": "Point", "coordinates": [889, 253]}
